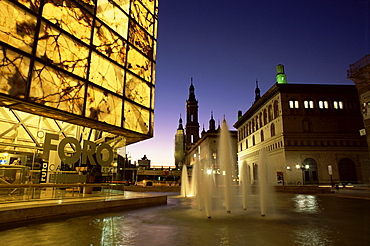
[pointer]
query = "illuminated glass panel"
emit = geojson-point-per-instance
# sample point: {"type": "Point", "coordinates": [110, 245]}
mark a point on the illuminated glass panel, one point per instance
{"type": "Point", "coordinates": [137, 90]}
{"type": "Point", "coordinates": [139, 64]}
{"type": "Point", "coordinates": [13, 73]}
{"type": "Point", "coordinates": [149, 4]}
{"type": "Point", "coordinates": [69, 47]}
{"type": "Point", "coordinates": [155, 50]}
{"type": "Point", "coordinates": [113, 17]}
{"type": "Point", "coordinates": [141, 39]}
{"type": "Point", "coordinates": [67, 15]}
{"type": "Point", "coordinates": [110, 44]}
{"type": "Point", "coordinates": [31, 4]}
{"type": "Point", "coordinates": [62, 51]}
{"type": "Point", "coordinates": [142, 16]}
{"type": "Point", "coordinates": [136, 118]}
{"type": "Point", "coordinates": [17, 27]}
{"type": "Point", "coordinates": [56, 89]}
{"type": "Point", "coordinates": [106, 74]}
{"type": "Point", "coordinates": [123, 4]}
{"type": "Point", "coordinates": [103, 106]}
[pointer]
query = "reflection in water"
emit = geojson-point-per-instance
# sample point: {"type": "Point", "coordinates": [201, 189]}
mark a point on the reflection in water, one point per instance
{"type": "Point", "coordinates": [313, 236]}
{"type": "Point", "coordinates": [300, 220]}
{"type": "Point", "coordinates": [306, 204]}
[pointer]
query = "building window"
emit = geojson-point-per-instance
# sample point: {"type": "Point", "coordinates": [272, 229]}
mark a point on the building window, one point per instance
{"type": "Point", "coordinates": [270, 113]}
{"type": "Point", "coordinates": [276, 109]}
{"type": "Point", "coordinates": [253, 141]}
{"type": "Point", "coordinates": [323, 104]}
{"type": "Point", "coordinates": [272, 130]}
{"type": "Point", "coordinates": [262, 136]}
{"type": "Point", "coordinates": [338, 105]}
{"type": "Point", "coordinates": [260, 118]}
{"type": "Point", "coordinates": [265, 116]}
{"type": "Point", "coordinates": [191, 138]}
{"type": "Point", "coordinates": [293, 104]}
{"type": "Point", "coordinates": [308, 104]}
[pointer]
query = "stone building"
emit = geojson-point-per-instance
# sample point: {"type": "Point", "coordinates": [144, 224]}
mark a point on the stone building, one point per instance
{"type": "Point", "coordinates": [310, 133]}
{"type": "Point", "coordinates": [203, 148]}
{"type": "Point", "coordinates": [359, 73]}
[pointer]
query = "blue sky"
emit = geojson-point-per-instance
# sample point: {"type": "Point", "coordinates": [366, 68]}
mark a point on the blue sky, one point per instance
{"type": "Point", "coordinates": [225, 45]}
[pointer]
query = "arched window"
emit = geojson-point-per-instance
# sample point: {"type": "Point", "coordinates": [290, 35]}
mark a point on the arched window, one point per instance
{"type": "Point", "coordinates": [265, 116]}
{"type": "Point", "coordinates": [262, 136]}
{"type": "Point", "coordinates": [257, 123]}
{"type": "Point", "coordinates": [261, 120]}
{"type": "Point", "coordinates": [276, 109]}
{"type": "Point", "coordinates": [272, 129]}
{"type": "Point", "coordinates": [270, 113]}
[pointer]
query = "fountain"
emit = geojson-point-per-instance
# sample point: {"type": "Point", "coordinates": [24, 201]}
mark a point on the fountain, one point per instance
{"type": "Point", "coordinates": [185, 186]}
{"type": "Point", "coordinates": [217, 188]}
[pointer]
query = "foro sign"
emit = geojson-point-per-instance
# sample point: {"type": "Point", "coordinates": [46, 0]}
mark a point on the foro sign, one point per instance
{"type": "Point", "coordinates": [88, 150]}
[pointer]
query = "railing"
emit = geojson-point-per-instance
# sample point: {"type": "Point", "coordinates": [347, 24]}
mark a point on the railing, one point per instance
{"type": "Point", "coordinates": [36, 192]}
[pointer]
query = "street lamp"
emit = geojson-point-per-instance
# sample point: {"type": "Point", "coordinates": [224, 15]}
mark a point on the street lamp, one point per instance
{"type": "Point", "coordinates": [303, 168]}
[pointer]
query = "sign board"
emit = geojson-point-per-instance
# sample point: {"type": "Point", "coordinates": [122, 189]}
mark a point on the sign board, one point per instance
{"type": "Point", "coordinates": [330, 169]}
{"type": "Point", "coordinates": [44, 172]}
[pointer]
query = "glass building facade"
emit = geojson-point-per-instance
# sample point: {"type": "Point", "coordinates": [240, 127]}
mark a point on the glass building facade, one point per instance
{"type": "Point", "coordinates": [90, 63]}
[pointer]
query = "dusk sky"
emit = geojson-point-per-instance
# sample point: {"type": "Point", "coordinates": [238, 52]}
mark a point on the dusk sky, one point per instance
{"type": "Point", "coordinates": [225, 45]}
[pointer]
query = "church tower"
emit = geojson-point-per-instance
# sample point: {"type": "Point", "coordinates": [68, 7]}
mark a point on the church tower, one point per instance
{"type": "Point", "coordinates": [257, 93]}
{"type": "Point", "coordinates": [180, 145]}
{"type": "Point", "coordinates": [192, 124]}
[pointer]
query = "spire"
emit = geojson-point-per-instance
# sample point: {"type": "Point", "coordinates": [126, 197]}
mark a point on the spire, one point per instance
{"type": "Point", "coordinates": [180, 124]}
{"type": "Point", "coordinates": [257, 92]}
{"type": "Point", "coordinates": [212, 123]}
{"type": "Point", "coordinates": [191, 90]}
{"type": "Point", "coordinates": [203, 131]}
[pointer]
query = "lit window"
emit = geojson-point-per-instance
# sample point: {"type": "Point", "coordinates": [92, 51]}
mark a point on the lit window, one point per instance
{"type": "Point", "coordinates": [308, 104]}
{"type": "Point", "coordinates": [293, 104]}
{"type": "Point", "coordinates": [338, 104]}
{"type": "Point", "coordinates": [323, 104]}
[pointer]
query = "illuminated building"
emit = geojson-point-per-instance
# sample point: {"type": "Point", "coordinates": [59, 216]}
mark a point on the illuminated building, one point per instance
{"type": "Point", "coordinates": [359, 73]}
{"type": "Point", "coordinates": [76, 68]}
{"type": "Point", "coordinates": [194, 148]}
{"type": "Point", "coordinates": [310, 132]}
{"type": "Point", "coordinates": [180, 145]}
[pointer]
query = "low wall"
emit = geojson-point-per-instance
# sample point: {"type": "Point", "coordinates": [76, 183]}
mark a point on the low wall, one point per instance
{"type": "Point", "coordinates": [153, 188]}
{"type": "Point", "coordinates": [41, 211]}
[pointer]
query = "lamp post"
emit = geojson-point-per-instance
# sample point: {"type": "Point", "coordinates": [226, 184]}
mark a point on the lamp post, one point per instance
{"type": "Point", "coordinates": [303, 168]}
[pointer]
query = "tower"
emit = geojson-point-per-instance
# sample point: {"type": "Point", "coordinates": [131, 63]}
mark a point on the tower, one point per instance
{"type": "Point", "coordinates": [212, 124]}
{"type": "Point", "coordinates": [257, 92]}
{"type": "Point", "coordinates": [280, 74]}
{"type": "Point", "coordinates": [192, 124]}
{"type": "Point", "coordinates": [179, 145]}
